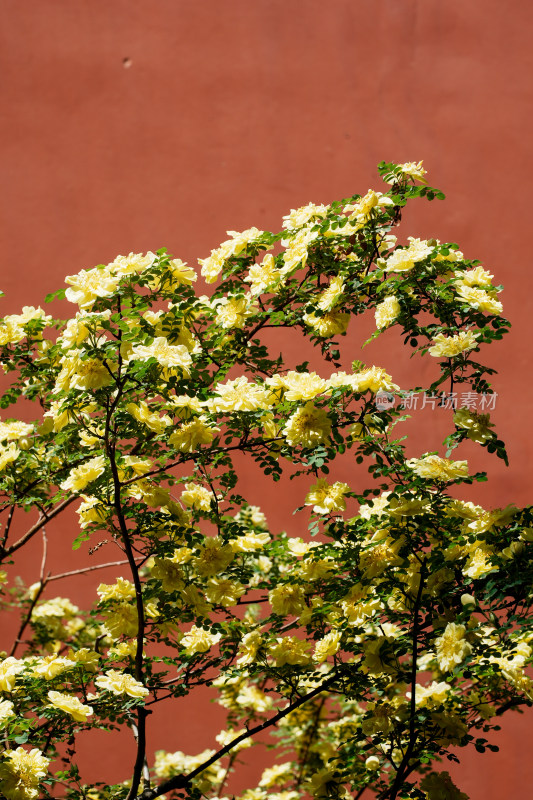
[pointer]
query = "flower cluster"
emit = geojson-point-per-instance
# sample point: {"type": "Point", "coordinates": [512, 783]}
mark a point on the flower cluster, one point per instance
{"type": "Point", "coordinates": [373, 638]}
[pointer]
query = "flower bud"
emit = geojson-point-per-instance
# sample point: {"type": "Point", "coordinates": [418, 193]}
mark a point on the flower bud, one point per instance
{"type": "Point", "coordinates": [468, 602]}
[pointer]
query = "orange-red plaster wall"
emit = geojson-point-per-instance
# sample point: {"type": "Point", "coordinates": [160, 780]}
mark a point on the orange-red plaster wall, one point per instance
{"type": "Point", "coordinates": [132, 124]}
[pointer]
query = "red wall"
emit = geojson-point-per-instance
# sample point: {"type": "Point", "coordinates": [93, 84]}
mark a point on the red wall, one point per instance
{"type": "Point", "coordinates": [133, 124]}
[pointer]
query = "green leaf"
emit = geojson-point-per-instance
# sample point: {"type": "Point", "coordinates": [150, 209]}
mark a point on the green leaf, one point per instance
{"type": "Point", "coordinates": [59, 295]}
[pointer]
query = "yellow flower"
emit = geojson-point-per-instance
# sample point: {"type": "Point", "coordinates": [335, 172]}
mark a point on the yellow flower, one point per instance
{"type": "Point", "coordinates": [232, 312]}
{"type": "Point", "coordinates": [131, 264]}
{"type": "Point", "coordinates": [123, 650]}
{"type": "Point", "coordinates": [264, 276]}
{"type": "Point", "coordinates": [10, 667]}
{"type": "Point", "coordinates": [327, 498]}
{"type": "Point", "coordinates": [80, 326]}
{"type": "Point", "coordinates": [184, 406]}
{"type": "Point", "coordinates": [361, 211]}
{"type": "Point", "coordinates": [89, 659]}
{"type": "Point", "coordinates": [6, 711]}
{"type": "Point", "coordinates": [182, 274]}
{"type": "Point", "coordinates": [198, 640]}
{"type": "Point", "coordinates": [387, 311]}
{"type": "Point", "coordinates": [169, 573]}
{"type": "Point", "coordinates": [301, 216]}
{"type": "Point", "coordinates": [333, 323]}
{"type": "Point", "coordinates": [250, 542]}
{"type": "Point", "coordinates": [82, 373]}
{"type": "Point", "coordinates": [196, 496]}
{"type": "Point", "coordinates": [91, 510]}
{"type": "Point", "coordinates": [433, 695]}
{"type": "Point", "coordinates": [296, 252]}
{"type": "Point", "coordinates": [249, 647]}
{"type": "Point", "coordinates": [122, 620]}
{"type": "Point", "coordinates": [239, 395]}
{"type": "Point", "coordinates": [380, 554]}
{"type": "Point", "coordinates": [450, 346]}
{"type": "Point", "coordinates": [404, 259]}
{"type": "Point", "coordinates": [250, 696]}
{"type": "Point", "coordinates": [213, 265]}
{"type": "Point", "coordinates": [476, 425]}
{"type": "Point", "coordinates": [376, 508]}
{"type": "Point", "coordinates": [214, 557]}
{"type": "Point", "coordinates": [29, 313]}
{"type": "Point", "coordinates": [86, 473]}
{"type": "Point", "coordinates": [8, 454]}
{"type": "Point", "coordinates": [308, 426]}
{"type": "Point", "coordinates": [410, 169]}
{"type": "Point", "coordinates": [277, 775]}
{"type": "Point", "coordinates": [119, 682]}
{"type": "Point", "coordinates": [452, 647]}
{"type": "Point", "coordinates": [90, 284]}
{"type": "Point", "coordinates": [330, 297]}
{"type": "Point", "coordinates": [301, 385]}
{"type": "Point", "coordinates": [20, 773]}
{"type": "Point", "coordinates": [223, 592]}
{"type": "Point", "coordinates": [251, 517]}
{"type": "Point", "coordinates": [188, 437]}
{"type": "Point", "coordinates": [328, 645]}
{"type": "Point", "coordinates": [14, 430]}
{"type": "Point", "coordinates": [478, 563]}
{"type": "Point", "coordinates": [169, 764]}
{"type": "Point", "coordinates": [480, 299]}
{"type": "Point", "coordinates": [10, 332]}
{"type": "Point", "coordinates": [55, 607]}
{"type": "Point", "coordinates": [167, 355]}
{"type": "Point", "coordinates": [289, 598]}
{"type": "Point", "coordinates": [226, 737]}
{"type": "Point", "coordinates": [132, 466]}
{"type": "Point", "coordinates": [297, 547]}
{"type": "Point", "coordinates": [141, 412]}
{"type": "Point", "coordinates": [436, 468]}
{"type": "Point", "coordinates": [289, 650]}
{"type": "Point", "coordinates": [315, 569]}
{"type": "Point", "coordinates": [478, 276]}
{"type": "Point", "coordinates": [52, 666]}
{"type": "Point", "coordinates": [122, 589]}
{"type": "Point", "coordinates": [373, 379]}
{"type": "Point", "coordinates": [70, 705]}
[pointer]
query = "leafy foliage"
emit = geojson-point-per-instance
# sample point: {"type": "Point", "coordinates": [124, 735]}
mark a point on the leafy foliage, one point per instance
{"type": "Point", "coordinates": [398, 632]}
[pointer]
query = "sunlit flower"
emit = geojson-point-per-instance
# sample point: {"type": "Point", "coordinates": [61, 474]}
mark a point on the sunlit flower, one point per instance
{"type": "Point", "coordinates": [118, 682]}
{"type": "Point", "coordinates": [70, 705]}
{"type": "Point", "coordinates": [452, 647]}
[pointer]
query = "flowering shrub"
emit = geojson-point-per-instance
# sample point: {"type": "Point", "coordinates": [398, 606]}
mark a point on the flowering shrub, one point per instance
{"type": "Point", "coordinates": [398, 631]}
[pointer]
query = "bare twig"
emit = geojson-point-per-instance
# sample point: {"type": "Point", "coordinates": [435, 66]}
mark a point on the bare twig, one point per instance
{"type": "Point", "coordinates": [8, 526]}
{"type": "Point", "coordinates": [25, 621]}
{"type": "Point", "coordinates": [45, 517]}
{"type": "Point", "coordinates": [83, 570]}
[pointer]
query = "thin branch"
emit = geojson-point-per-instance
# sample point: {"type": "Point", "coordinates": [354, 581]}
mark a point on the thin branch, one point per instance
{"type": "Point", "coordinates": [181, 781]}
{"type": "Point", "coordinates": [141, 712]}
{"type": "Point", "coordinates": [43, 560]}
{"type": "Point", "coordinates": [405, 767]}
{"type": "Point", "coordinates": [25, 621]}
{"type": "Point", "coordinates": [8, 526]}
{"type": "Point", "coordinates": [43, 519]}
{"type": "Point", "coordinates": [83, 570]}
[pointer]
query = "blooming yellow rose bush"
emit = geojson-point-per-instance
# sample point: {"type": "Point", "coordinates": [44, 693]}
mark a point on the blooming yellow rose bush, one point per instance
{"type": "Point", "coordinates": [392, 632]}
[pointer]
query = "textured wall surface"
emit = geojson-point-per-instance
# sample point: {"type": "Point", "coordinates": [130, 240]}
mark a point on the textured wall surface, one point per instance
{"type": "Point", "coordinates": [132, 124]}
